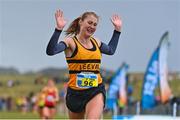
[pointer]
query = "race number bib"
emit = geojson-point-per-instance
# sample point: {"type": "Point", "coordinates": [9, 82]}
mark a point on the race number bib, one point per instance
{"type": "Point", "coordinates": [86, 80]}
{"type": "Point", "coordinates": [50, 98]}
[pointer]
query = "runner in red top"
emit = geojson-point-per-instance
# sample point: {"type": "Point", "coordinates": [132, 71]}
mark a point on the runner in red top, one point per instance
{"type": "Point", "coordinates": [51, 99]}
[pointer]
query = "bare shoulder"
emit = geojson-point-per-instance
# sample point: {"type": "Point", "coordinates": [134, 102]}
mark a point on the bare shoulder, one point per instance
{"type": "Point", "coordinates": [68, 38]}
{"type": "Point", "coordinates": [98, 41]}
{"type": "Point", "coordinates": [44, 89]}
{"type": "Point", "coordinates": [68, 41]}
{"type": "Point", "coordinates": [56, 89]}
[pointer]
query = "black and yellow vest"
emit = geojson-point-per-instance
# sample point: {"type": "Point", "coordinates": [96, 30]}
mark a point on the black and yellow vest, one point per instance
{"type": "Point", "coordinates": [84, 60]}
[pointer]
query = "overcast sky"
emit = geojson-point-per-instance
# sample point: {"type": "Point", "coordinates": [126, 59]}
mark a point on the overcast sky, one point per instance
{"type": "Point", "coordinates": [26, 27]}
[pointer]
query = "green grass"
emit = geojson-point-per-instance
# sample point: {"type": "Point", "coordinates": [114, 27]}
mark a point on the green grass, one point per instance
{"type": "Point", "coordinates": [26, 85]}
{"type": "Point", "coordinates": [30, 115]}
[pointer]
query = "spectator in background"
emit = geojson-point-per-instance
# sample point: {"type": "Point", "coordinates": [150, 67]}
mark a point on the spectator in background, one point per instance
{"type": "Point", "coordinates": [9, 103]}
{"type": "Point", "coordinates": [19, 103]}
{"type": "Point", "coordinates": [62, 94]}
{"type": "Point", "coordinates": [1, 103]}
{"type": "Point", "coordinates": [24, 105]}
{"type": "Point", "coordinates": [10, 83]}
{"type": "Point", "coordinates": [40, 102]}
{"type": "Point", "coordinates": [39, 80]}
{"type": "Point", "coordinates": [33, 101]}
{"type": "Point", "coordinates": [130, 99]}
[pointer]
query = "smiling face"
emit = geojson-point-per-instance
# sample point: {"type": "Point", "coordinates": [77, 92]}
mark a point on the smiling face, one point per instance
{"type": "Point", "coordinates": [88, 25]}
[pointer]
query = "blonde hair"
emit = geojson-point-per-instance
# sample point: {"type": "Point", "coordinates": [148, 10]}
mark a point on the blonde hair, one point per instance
{"type": "Point", "coordinates": [74, 27]}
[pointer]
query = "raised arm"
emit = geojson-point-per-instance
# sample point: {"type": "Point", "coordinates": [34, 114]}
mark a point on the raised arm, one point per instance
{"type": "Point", "coordinates": [53, 46]}
{"type": "Point", "coordinates": [112, 45]}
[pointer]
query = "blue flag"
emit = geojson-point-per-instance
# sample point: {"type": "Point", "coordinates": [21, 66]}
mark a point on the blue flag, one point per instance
{"type": "Point", "coordinates": [150, 82]}
{"type": "Point", "coordinates": [156, 74]}
{"type": "Point", "coordinates": [114, 87]}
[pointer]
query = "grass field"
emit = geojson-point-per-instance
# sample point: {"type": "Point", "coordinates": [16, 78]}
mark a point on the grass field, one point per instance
{"type": "Point", "coordinates": [30, 115]}
{"type": "Point", "coordinates": [27, 85]}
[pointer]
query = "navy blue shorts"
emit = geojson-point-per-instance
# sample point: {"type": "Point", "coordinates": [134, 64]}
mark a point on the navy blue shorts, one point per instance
{"type": "Point", "coordinates": [76, 100]}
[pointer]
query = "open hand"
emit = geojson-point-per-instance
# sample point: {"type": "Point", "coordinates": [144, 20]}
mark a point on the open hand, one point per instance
{"type": "Point", "coordinates": [117, 22]}
{"type": "Point", "coordinates": [60, 21]}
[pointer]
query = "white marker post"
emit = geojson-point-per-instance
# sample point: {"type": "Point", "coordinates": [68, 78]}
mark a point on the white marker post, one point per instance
{"type": "Point", "coordinates": [174, 109]}
{"type": "Point", "coordinates": [138, 108]}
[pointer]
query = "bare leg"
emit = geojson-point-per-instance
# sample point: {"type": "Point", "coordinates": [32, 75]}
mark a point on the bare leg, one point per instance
{"type": "Point", "coordinates": [46, 113]}
{"type": "Point", "coordinates": [94, 107]}
{"type": "Point", "coordinates": [40, 111]}
{"type": "Point", "coordinates": [73, 115]}
{"type": "Point", "coordinates": [52, 113]}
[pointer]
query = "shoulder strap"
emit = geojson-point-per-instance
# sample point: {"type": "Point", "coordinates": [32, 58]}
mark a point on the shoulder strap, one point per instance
{"type": "Point", "coordinates": [94, 41]}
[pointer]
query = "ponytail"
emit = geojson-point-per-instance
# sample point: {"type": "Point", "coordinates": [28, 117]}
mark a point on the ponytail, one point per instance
{"type": "Point", "coordinates": [74, 27]}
